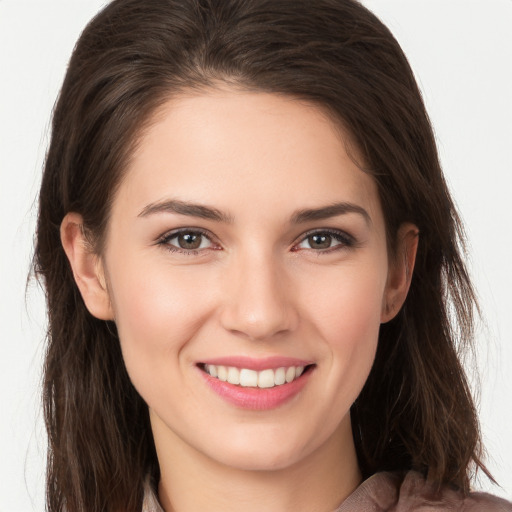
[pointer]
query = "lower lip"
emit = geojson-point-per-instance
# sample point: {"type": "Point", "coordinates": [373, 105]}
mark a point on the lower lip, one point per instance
{"type": "Point", "coordinates": [257, 399]}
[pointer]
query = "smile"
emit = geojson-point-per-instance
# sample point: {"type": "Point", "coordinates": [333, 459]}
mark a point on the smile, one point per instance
{"type": "Point", "coordinates": [256, 384]}
{"type": "Point", "coordinates": [244, 377]}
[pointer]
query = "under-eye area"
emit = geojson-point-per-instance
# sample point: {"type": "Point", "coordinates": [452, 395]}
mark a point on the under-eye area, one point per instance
{"type": "Point", "coordinates": [245, 377]}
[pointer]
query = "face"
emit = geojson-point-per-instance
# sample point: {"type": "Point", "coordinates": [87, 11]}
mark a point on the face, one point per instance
{"type": "Point", "coordinates": [247, 272]}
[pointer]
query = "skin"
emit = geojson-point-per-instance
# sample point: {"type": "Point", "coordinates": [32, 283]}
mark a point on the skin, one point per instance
{"type": "Point", "coordinates": [257, 286]}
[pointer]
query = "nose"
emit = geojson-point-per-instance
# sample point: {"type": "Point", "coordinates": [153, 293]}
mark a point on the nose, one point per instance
{"type": "Point", "coordinates": [259, 302]}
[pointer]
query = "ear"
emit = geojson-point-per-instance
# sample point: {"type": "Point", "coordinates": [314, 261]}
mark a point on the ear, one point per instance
{"type": "Point", "coordinates": [400, 271]}
{"type": "Point", "coordinates": [87, 267]}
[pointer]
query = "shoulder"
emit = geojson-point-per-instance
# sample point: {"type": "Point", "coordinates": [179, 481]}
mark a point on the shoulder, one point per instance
{"type": "Point", "coordinates": [417, 494]}
{"type": "Point", "coordinates": [386, 492]}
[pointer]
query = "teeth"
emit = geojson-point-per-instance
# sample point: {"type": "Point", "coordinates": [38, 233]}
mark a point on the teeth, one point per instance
{"type": "Point", "coordinates": [280, 376]}
{"type": "Point", "coordinates": [222, 373]}
{"type": "Point", "coordinates": [233, 375]}
{"type": "Point", "coordinates": [266, 379]}
{"type": "Point", "coordinates": [248, 378]}
{"type": "Point", "coordinates": [251, 378]}
{"type": "Point", "coordinates": [213, 371]}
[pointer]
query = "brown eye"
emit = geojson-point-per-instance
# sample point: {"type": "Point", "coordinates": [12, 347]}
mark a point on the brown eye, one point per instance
{"type": "Point", "coordinates": [189, 241]}
{"type": "Point", "coordinates": [320, 241]}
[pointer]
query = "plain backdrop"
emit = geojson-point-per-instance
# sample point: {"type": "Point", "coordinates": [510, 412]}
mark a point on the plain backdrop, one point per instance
{"type": "Point", "coordinates": [461, 52]}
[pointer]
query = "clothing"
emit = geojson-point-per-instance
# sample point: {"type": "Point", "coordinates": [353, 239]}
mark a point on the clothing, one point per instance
{"type": "Point", "coordinates": [391, 492]}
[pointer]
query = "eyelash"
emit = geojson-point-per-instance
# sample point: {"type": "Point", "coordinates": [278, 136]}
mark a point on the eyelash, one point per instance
{"type": "Point", "coordinates": [345, 240]}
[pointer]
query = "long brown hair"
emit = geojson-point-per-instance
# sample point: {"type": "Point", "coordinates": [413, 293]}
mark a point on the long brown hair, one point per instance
{"type": "Point", "coordinates": [415, 410]}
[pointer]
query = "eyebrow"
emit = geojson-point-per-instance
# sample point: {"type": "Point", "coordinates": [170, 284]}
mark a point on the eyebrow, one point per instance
{"type": "Point", "coordinates": [326, 212]}
{"type": "Point", "coordinates": [186, 208]}
{"type": "Point", "coordinates": [207, 212]}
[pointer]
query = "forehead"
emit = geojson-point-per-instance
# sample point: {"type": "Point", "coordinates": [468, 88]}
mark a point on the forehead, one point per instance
{"type": "Point", "coordinates": [224, 145]}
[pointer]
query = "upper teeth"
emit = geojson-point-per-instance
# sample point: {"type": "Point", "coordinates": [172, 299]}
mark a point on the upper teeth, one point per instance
{"type": "Point", "coordinates": [251, 378]}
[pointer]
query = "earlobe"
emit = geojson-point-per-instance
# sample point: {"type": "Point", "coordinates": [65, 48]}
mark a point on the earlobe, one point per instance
{"type": "Point", "coordinates": [87, 267]}
{"type": "Point", "coordinates": [400, 271]}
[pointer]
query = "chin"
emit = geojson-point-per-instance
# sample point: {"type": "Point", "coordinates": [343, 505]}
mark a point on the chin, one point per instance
{"type": "Point", "coordinates": [261, 453]}
{"type": "Point", "coordinates": [264, 459]}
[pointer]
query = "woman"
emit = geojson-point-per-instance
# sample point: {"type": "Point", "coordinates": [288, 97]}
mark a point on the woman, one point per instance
{"type": "Point", "coordinates": [250, 254]}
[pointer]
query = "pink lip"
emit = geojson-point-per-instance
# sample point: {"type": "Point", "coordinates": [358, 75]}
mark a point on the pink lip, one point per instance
{"type": "Point", "coordinates": [257, 399]}
{"type": "Point", "coordinates": [257, 364]}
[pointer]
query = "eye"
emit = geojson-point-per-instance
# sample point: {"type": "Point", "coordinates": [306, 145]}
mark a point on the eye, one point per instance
{"type": "Point", "coordinates": [322, 241]}
{"type": "Point", "coordinates": [188, 240]}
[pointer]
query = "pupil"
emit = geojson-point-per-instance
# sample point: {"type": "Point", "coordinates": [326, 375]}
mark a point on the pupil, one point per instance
{"type": "Point", "coordinates": [189, 241]}
{"type": "Point", "coordinates": [320, 241]}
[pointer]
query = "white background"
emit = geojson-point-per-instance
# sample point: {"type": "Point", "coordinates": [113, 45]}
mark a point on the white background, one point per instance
{"type": "Point", "coordinates": [461, 51]}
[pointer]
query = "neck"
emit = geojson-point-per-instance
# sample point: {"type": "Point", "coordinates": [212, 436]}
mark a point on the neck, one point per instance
{"type": "Point", "coordinates": [319, 482]}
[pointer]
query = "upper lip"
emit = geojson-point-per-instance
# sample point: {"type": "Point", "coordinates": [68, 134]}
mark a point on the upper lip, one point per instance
{"type": "Point", "coordinates": [257, 364]}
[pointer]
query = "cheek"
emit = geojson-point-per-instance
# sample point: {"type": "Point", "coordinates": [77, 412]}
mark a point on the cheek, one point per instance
{"type": "Point", "coordinates": [348, 304]}
{"type": "Point", "coordinates": [156, 312]}
{"type": "Point", "coordinates": [346, 314]}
